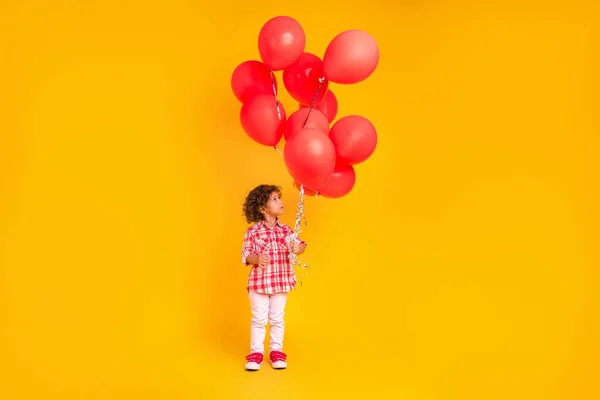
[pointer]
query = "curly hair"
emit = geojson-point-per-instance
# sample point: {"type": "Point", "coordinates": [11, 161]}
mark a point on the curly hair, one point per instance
{"type": "Point", "coordinates": [256, 199]}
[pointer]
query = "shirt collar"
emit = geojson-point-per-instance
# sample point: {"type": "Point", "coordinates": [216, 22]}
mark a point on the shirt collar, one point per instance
{"type": "Point", "coordinates": [277, 223]}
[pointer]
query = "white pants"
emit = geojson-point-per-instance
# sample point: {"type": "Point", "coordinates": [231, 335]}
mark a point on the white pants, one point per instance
{"type": "Point", "coordinates": [266, 307]}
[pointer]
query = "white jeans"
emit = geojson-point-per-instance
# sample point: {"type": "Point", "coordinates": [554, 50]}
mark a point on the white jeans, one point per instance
{"type": "Point", "coordinates": [266, 307]}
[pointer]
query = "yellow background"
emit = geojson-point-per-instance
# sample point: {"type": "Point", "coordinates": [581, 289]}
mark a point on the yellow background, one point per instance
{"type": "Point", "coordinates": [464, 265]}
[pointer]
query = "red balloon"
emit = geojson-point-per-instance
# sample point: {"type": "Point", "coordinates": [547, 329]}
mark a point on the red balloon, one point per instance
{"type": "Point", "coordinates": [341, 182]}
{"type": "Point", "coordinates": [316, 120]}
{"type": "Point", "coordinates": [302, 79]}
{"type": "Point", "coordinates": [354, 138]}
{"type": "Point", "coordinates": [350, 57]}
{"type": "Point", "coordinates": [251, 78]}
{"type": "Point", "coordinates": [307, 192]}
{"type": "Point", "coordinates": [309, 157]}
{"type": "Point", "coordinates": [280, 42]}
{"type": "Point", "coordinates": [329, 106]}
{"type": "Point", "coordinates": [261, 121]}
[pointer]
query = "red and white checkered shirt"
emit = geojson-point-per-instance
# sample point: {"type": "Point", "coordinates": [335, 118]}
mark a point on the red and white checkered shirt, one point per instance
{"type": "Point", "coordinates": [279, 275]}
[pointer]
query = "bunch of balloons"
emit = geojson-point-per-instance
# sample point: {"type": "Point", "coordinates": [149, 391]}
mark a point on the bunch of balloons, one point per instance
{"type": "Point", "coordinates": [319, 158]}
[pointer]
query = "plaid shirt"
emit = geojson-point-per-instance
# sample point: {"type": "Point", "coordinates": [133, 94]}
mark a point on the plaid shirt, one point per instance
{"type": "Point", "coordinates": [279, 275]}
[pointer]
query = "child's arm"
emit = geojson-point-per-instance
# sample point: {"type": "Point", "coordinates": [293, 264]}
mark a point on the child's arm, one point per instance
{"type": "Point", "coordinates": [298, 246]}
{"type": "Point", "coordinates": [251, 259]}
{"type": "Point", "coordinates": [248, 256]}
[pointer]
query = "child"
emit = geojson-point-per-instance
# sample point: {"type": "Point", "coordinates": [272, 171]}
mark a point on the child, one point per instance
{"type": "Point", "coordinates": [267, 245]}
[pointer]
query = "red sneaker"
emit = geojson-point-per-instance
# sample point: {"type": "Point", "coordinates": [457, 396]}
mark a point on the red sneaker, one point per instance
{"type": "Point", "coordinates": [254, 361]}
{"type": "Point", "coordinates": [278, 359]}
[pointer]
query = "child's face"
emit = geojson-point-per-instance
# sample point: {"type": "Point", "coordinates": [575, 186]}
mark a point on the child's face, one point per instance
{"type": "Point", "coordinates": [274, 206]}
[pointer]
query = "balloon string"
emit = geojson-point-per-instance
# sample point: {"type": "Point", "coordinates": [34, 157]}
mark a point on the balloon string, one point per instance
{"type": "Point", "coordinates": [276, 147]}
{"type": "Point", "coordinates": [275, 94]}
{"type": "Point", "coordinates": [300, 210]}
{"type": "Point", "coordinates": [299, 215]}
{"type": "Point", "coordinates": [314, 100]}
{"type": "Point", "coordinates": [312, 105]}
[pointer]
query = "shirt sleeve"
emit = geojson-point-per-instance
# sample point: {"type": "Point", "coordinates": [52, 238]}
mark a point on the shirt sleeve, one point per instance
{"type": "Point", "coordinates": [290, 232]}
{"type": "Point", "coordinates": [248, 246]}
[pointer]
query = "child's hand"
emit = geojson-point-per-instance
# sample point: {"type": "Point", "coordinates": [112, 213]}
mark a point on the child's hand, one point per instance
{"type": "Point", "coordinates": [295, 247]}
{"type": "Point", "coordinates": [263, 260]}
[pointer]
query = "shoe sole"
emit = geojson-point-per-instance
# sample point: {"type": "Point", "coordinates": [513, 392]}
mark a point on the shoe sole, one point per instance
{"type": "Point", "coordinates": [255, 367]}
{"type": "Point", "coordinates": [278, 365]}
